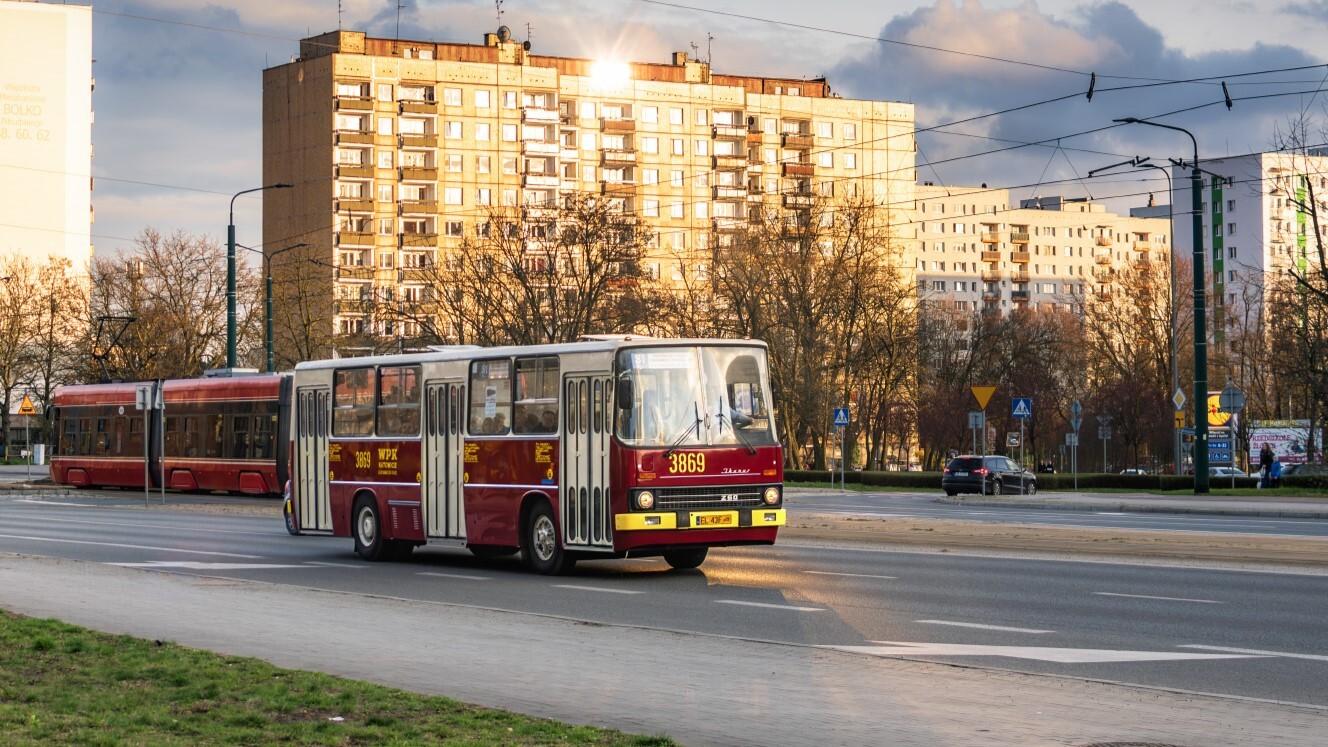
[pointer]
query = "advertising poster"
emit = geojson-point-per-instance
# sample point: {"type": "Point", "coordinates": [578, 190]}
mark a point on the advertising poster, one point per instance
{"type": "Point", "coordinates": [1286, 437]}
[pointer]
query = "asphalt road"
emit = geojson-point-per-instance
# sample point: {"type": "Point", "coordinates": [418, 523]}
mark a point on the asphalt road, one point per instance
{"type": "Point", "coordinates": [1252, 634]}
{"type": "Point", "coordinates": [924, 505]}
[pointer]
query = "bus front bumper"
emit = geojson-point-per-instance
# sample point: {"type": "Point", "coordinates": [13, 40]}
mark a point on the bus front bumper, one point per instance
{"type": "Point", "coordinates": [734, 519]}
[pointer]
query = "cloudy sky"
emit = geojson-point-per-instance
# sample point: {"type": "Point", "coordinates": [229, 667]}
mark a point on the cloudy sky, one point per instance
{"type": "Point", "coordinates": [179, 82]}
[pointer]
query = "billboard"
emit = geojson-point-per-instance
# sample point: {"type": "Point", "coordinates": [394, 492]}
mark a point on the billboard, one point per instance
{"type": "Point", "coordinates": [1286, 437]}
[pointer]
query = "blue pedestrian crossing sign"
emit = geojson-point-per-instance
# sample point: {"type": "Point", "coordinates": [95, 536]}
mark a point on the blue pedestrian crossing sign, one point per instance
{"type": "Point", "coordinates": [841, 417]}
{"type": "Point", "coordinates": [1021, 407]}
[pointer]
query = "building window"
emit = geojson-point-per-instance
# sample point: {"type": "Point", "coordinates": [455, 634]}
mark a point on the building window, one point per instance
{"type": "Point", "coordinates": [482, 99]}
{"type": "Point", "coordinates": [651, 208]}
{"type": "Point", "coordinates": [385, 92]}
{"type": "Point", "coordinates": [509, 133]}
{"type": "Point", "coordinates": [509, 99]}
{"type": "Point", "coordinates": [851, 161]}
{"type": "Point", "coordinates": [675, 116]}
{"type": "Point", "coordinates": [509, 164]}
{"type": "Point", "coordinates": [483, 164]}
{"type": "Point", "coordinates": [675, 178]}
{"type": "Point", "coordinates": [384, 125]}
{"type": "Point", "coordinates": [588, 174]}
{"type": "Point", "coordinates": [678, 146]}
{"type": "Point", "coordinates": [1231, 252]}
{"type": "Point", "coordinates": [701, 209]}
{"type": "Point", "coordinates": [850, 131]}
{"type": "Point", "coordinates": [587, 110]}
{"type": "Point", "coordinates": [700, 147]}
{"type": "Point", "coordinates": [650, 145]}
{"type": "Point", "coordinates": [454, 163]}
{"type": "Point", "coordinates": [451, 195]}
{"type": "Point", "coordinates": [650, 176]}
{"type": "Point", "coordinates": [827, 159]}
{"type": "Point", "coordinates": [649, 114]}
{"type": "Point", "coordinates": [587, 141]}
{"type": "Point", "coordinates": [825, 129]}
{"type": "Point", "coordinates": [452, 130]}
{"type": "Point", "coordinates": [452, 229]}
{"type": "Point", "coordinates": [451, 97]}
{"type": "Point", "coordinates": [482, 131]}
{"type": "Point", "coordinates": [702, 116]}
{"type": "Point", "coordinates": [675, 209]}
{"type": "Point", "coordinates": [1231, 229]}
{"type": "Point", "coordinates": [385, 159]}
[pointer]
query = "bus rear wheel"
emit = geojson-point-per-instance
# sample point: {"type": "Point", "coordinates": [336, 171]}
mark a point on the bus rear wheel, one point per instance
{"type": "Point", "coordinates": [543, 552]}
{"type": "Point", "coordinates": [368, 531]}
{"type": "Point", "coordinates": [686, 558]}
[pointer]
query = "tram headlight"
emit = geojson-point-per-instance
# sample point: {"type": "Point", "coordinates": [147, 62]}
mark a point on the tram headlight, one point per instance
{"type": "Point", "coordinates": [771, 496]}
{"type": "Point", "coordinates": [645, 500]}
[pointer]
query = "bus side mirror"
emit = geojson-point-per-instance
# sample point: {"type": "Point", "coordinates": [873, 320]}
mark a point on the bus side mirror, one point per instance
{"type": "Point", "coordinates": [624, 394]}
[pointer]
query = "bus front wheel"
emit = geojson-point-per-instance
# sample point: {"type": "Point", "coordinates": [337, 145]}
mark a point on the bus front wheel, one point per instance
{"type": "Point", "coordinates": [368, 531]}
{"type": "Point", "coordinates": [543, 552]}
{"type": "Point", "coordinates": [684, 559]}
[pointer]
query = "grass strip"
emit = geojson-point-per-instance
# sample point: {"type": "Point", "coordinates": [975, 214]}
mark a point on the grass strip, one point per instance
{"type": "Point", "coordinates": [62, 684]}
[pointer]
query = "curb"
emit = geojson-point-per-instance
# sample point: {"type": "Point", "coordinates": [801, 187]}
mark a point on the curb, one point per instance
{"type": "Point", "coordinates": [1151, 508]}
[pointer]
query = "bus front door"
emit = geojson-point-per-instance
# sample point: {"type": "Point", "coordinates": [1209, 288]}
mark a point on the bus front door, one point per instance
{"type": "Point", "coordinates": [312, 428]}
{"type": "Point", "coordinates": [444, 507]}
{"type": "Point", "coordinates": [587, 417]}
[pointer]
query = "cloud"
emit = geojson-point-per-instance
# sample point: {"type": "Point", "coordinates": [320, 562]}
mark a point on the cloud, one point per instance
{"type": "Point", "coordinates": [1057, 56]}
{"type": "Point", "coordinates": [1317, 10]}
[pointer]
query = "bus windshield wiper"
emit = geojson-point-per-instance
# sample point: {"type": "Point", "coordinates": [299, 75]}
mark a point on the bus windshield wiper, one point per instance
{"type": "Point", "coordinates": [733, 427]}
{"type": "Point", "coordinates": [696, 424]}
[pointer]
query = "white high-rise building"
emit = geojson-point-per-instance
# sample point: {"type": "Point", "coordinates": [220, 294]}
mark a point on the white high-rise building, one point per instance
{"type": "Point", "coordinates": [1257, 224]}
{"type": "Point", "coordinates": [46, 132]}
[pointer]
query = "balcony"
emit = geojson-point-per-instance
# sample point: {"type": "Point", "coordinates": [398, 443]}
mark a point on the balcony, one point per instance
{"type": "Point", "coordinates": [417, 107]}
{"type": "Point", "coordinates": [798, 202]}
{"type": "Point", "coordinates": [729, 131]}
{"type": "Point", "coordinates": [567, 185]}
{"type": "Point", "coordinates": [417, 274]}
{"type": "Point", "coordinates": [991, 295]}
{"type": "Point", "coordinates": [989, 256]}
{"type": "Point", "coordinates": [540, 180]}
{"type": "Point", "coordinates": [729, 162]}
{"type": "Point", "coordinates": [351, 306]}
{"type": "Point", "coordinates": [1143, 246]}
{"type": "Point", "coordinates": [412, 207]}
{"type": "Point", "coordinates": [354, 205]}
{"type": "Point", "coordinates": [1102, 273]}
{"type": "Point", "coordinates": [418, 174]}
{"type": "Point", "coordinates": [1102, 259]}
{"type": "Point", "coordinates": [1019, 296]}
{"type": "Point", "coordinates": [354, 104]}
{"type": "Point", "coordinates": [755, 138]}
{"type": "Point", "coordinates": [1020, 276]}
{"type": "Point", "coordinates": [351, 170]}
{"type": "Point", "coordinates": [418, 141]}
{"type": "Point", "coordinates": [540, 148]}
{"type": "Point", "coordinates": [354, 238]}
{"type": "Point", "coordinates": [726, 224]}
{"type": "Point", "coordinates": [1021, 257]}
{"type": "Point", "coordinates": [991, 237]}
{"type": "Point", "coordinates": [1102, 241]}
{"type": "Point", "coordinates": [1019, 237]}
{"type": "Point", "coordinates": [419, 239]}
{"type": "Point", "coordinates": [536, 114]}
{"type": "Point", "coordinates": [354, 136]}
{"type": "Point", "coordinates": [354, 272]}
{"type": "Point", "coordinates": [569, 154]}
{"type": "Point", "coordinates": [728, 192]}
{"type": "Point", "coordinates": [614, 156]}
{"type": "Point", "coordinates": [798, 169]}
{"type": "Point", "coordinates": [617, 189]}
{"type": "Point", "coordinates": [798, 141]}
{"type": "Point", "coordinates": [992, 277]}
{"type": "Point", "coordinates": [609, 124]}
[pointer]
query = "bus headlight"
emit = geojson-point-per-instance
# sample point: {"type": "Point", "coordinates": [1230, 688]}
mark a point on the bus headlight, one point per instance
{"type": "Point", "coordinates": [645, 500]}
{"type": "Point", "coordinates": [771, 496]}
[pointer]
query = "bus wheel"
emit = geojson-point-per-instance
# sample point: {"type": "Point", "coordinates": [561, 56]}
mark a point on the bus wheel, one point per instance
{"type": "Point", "coordinates": [543, 552]}
{"type": "Point", "coordinates": [289, 512]}
{"type": "Point", "coordinates": [686, 558]}
{"type": "Point", "coordinates": [368, 531]}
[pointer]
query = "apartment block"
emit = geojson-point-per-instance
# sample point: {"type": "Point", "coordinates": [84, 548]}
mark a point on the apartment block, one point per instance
{"type": "Point", "coordinates": [1257, 223]}
{"type": "Point", "coordinates": [977, 253]}
{"type": "Point", "coordinates": [400, 150]}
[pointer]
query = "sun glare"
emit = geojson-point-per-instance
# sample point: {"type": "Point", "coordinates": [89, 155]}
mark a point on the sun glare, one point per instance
{"type": "Point", "coordinates": [610, 72]}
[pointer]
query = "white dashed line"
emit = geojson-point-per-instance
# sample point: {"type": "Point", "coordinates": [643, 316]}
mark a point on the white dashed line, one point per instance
{"type": "Point", "coordinates": [129, 547]}
{"type": "Point", "coordinates": [771, 606]}
{"type": "Point", "coordinates": [461, 576]}
{"type": "Point", "coordinates": [1256, 652]}
{"type": "Point", "coordinates": [980, 626]}
{"type": "Point", "coordinates": [850, 575]}
{"type": "Point", "coordinates": [598, 588]}
{"type": "Point", "coordinates": [1164, 599]}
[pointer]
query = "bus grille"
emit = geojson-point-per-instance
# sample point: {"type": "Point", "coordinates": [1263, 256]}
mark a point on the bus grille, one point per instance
{"type": "Point", "coordinates": [720, 497]}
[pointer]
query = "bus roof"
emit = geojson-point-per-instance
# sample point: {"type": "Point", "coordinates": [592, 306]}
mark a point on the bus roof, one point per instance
{"type": "Point", "coordinates": [599, 343]}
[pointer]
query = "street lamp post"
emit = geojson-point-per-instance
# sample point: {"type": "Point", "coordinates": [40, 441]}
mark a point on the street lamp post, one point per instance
{"type": "Point", "coordinates": [269, 337]}
{"type": "Point", "coordinates": [1200, 323]}
{"type": "Point", "coordinates": [230, 271]}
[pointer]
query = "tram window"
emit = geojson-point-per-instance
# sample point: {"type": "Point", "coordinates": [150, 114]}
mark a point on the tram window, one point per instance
{"type": "Point", "coordinates": [193, 443]}
{"type": "Point", "coordinates": [69, 436]}
{"type": "Point", "coordinates": [212, 435]}
{"type": "Point", "coordinates": [101, 444]}
{"type": "Point", "coordinates": [353, 402]}
{"type": "Point", "coordinates": [239, 445]}
{"type": "Point", "coordinates": [490, 396]}
{"type": "Point", "coordinates": [536, 395]}
{"type": "Point", "coordinates": [135, 445]}
{"type": "Point", "coordinates": [399, 401]}
{"type": "Point", "coordinates": [174, 432]}
{"type": "Point", "coordinates": [263, 436]}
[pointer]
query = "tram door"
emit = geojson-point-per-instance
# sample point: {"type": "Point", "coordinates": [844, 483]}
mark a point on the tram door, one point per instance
{"type": "Point", "coordinates": [587, 418]}
{"type": "Point", "coordinates": [444, 506]}
{"type": "Point", "coordinates": [312, 425]}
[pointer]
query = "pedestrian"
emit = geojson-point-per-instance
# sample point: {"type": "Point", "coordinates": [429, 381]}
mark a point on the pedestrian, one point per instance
{"type": "Point", "coordinates": [1276, 473]}
{"type": "Point", "coordinates": [1265, 465]}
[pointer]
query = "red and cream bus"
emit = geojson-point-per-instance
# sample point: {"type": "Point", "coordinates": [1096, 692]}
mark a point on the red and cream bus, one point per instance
{"type": "Point", "coordinates": [605, 448]}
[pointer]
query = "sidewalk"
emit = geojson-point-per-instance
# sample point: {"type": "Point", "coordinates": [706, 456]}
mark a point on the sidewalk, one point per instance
{"type": "Point", "coordinates": [698, 689]}
{"type": "Point", "coordinates": [1285, 507]}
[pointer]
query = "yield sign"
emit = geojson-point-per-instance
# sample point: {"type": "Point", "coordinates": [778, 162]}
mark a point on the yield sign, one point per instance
{"type": "Point", "coordinates": [982, 394]}
{"type": "Point", "coordinates": [1178, 399]}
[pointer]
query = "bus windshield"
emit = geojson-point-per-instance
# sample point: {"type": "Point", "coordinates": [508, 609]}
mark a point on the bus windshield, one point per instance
{"type": "Point", "coordinates": [689, 396]}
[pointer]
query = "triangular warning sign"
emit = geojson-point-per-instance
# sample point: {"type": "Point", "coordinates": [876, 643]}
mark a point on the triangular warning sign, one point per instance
{"type": "Point", "coordinates": [1021, 408]}
{"type": "Point", "coordinates": [26, 408]}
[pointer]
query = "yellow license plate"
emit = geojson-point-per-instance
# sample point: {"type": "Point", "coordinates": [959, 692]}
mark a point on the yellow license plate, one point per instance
{"type": "Point", "coordinates": [714, 520]}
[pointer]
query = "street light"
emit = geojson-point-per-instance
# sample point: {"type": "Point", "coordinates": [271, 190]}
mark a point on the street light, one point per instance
{"type": "Point", "coordinates": [1200, 323]}
{"type": "Point", "coordinates": [268, 336]}
{"type": "Point", "coordinates": [230, 271]}
{"type": "Point", "coordinates": [1142, 162]}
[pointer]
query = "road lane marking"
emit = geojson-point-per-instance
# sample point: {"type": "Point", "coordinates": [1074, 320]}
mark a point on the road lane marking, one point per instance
{"type": "Point", "coordinates": [195, 565]}
{"type": "Point", "coordinates": [1165, 599]}
{"type": "Point", "coordinates": [173, 528]}
{"type": "Point", "coordinates": [850, 575]}
{"type": "Point", "coordinates": [598, 588]}
{"type": "Point", "coordinates": [980, 626]}
{"type": "Point", "coordinates": [323, 563]}
{"type": "Point", "coordinates": [794, 608]}
{"type": "Point", "coordinates": [1256, 652]}
{"type": "Point", "coordinates": [454, 575]}
{"type": "Point", "coordinates": [130, 547]}
{"type": "Point", "coordinates": [888, 649]}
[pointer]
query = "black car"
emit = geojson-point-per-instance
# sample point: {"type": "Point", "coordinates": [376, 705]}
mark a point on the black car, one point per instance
{"type": "Point", "coordinates": [987, 474]}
